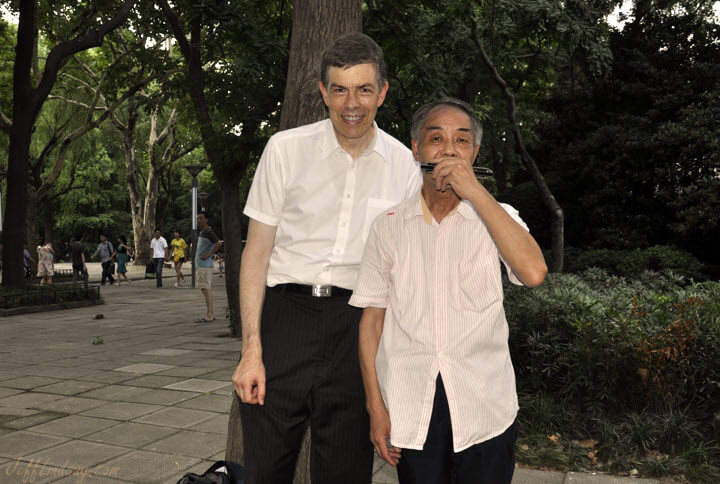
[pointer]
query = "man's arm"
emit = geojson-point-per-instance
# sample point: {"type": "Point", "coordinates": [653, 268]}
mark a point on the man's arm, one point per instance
{"type": "Point", "coordinates": [514, 243]}
{"type": "Point", "coordinates": [215, 248]}
{"type": "Point", "coordinates": [249, 376]}
{"type": "Point", "coordinates": [370, 331]}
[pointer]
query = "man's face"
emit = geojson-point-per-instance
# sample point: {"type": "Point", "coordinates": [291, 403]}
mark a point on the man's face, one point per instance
{"type": "Point", "coordinates": [157, 234]}
{"type": "Point", "coordinates": [177, 235]}
{"type": "Point", "coordinates": [201, 221]}
{"type": "Point", "coordinates": [447, 133]}
{"type": "Point", "coordinates": [353, 97]}
{"type": "Point", "coordinates": [103, 238]}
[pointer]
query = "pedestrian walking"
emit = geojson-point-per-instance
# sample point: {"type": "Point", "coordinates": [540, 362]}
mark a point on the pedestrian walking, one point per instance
{"type": "Point", "coordinates": [159, 247]}
{"type": "Point", "coordinates": [45, 254]}
{"type": "Point", "coordinates": [105, 250]}
{"type": "Point", "coordinates": [178, 246]}
{"type": "Point", "coordinates": [122, 253]}
{"type": "Point", "coordinates": [77, 254]}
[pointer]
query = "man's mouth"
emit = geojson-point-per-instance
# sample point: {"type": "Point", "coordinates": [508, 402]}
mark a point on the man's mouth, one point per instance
{"type": "Point", "coordinates": [352, 118]}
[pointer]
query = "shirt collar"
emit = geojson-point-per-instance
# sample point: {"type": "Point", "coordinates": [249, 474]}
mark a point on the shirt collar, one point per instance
{"type": "Point", "coordinates": [420, 209]}
{"type": "Point", "coordinates": [330, 143]}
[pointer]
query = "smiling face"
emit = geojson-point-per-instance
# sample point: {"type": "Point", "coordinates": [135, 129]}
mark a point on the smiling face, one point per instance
{"type": "Point", "coordinates": [447, 133]}
{"type": "Point", "coordinates": [353, 97]}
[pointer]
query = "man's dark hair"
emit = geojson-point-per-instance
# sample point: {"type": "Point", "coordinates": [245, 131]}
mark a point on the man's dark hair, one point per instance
{"type": "Point", "coordinates": [421, 115]}
{"type": "Point", "coordinates": [351, 50]}
{"type": "Point", "coordinates": [78, 237]}
{"type": "Point", "coordinates": [204, 213]}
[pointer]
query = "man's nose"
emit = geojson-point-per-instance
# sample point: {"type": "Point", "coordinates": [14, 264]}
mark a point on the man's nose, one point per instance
{"type": "Point", "coordinates": [352, 99]}
{"type": "Point", "coordinates": [449, 148]}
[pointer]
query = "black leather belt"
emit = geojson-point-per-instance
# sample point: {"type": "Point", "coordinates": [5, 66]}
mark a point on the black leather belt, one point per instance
{"type": "Point", "coordinates": [315, 290]}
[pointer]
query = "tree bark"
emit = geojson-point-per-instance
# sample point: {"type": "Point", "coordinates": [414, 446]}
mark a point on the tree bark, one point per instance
{"type": "Point", "coordinates": [27, 102]}
{"type": "Point", "coordinates": [315, 24]}
{"type": "Point", "coordinates": [556, 212]}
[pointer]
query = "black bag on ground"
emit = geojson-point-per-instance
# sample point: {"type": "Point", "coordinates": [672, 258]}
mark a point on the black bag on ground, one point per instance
{"type": "Point", "coordinates": [221, 472]}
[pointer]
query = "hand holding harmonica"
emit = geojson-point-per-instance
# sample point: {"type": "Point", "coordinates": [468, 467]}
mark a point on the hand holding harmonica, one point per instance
{"type": "Point", "coordinates": [481, 172]}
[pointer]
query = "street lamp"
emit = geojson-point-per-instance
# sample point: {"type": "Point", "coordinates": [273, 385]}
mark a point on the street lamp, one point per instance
{"type": "Point", "coordinates": [194, 169]}
{"type": "Point", "coordinates": [202, 196]}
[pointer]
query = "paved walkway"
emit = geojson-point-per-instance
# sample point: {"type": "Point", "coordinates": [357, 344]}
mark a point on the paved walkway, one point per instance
{"type": "Point", "coordinates": [131, 391]}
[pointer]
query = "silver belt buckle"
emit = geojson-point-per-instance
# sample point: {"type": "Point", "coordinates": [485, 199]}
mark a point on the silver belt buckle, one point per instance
{"type": "Point", "coordinates": [318, 290]}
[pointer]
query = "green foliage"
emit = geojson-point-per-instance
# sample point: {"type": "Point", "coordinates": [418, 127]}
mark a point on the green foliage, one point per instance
{"type": "Point", "coordinates": [633, 263]}
{"type": "Point", "coordinates": [631, 364]}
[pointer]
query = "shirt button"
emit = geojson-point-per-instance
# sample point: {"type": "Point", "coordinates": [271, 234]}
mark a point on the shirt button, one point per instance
{"type": "Point", "coordinates": [441, 355]}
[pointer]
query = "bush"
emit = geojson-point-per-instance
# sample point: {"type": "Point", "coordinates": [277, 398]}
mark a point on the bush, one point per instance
{"type": "Point", "coordinates": [630, 363]}
{"type": "Point", "coordinates": [632, 263]}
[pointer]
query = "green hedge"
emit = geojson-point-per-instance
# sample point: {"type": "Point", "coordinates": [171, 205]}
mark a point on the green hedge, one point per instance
{"type": "Point", "coordinates": [37, 295]}
{"type": "Point", "coordinates": [634, 364]}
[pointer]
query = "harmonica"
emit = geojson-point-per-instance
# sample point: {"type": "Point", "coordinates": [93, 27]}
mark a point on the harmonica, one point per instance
{"type": "Point", "coordinates": [480, 171]}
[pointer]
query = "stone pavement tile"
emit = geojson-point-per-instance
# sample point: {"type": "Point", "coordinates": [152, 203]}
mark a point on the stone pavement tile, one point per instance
{"type": "Point", "coordinates": [167, 352]}
{"type": "Point", "coordinates": [28, 382]}
{"type": "Point", "coordinates": [144, 368]}
{"type": "Point", "coordinates": [23, 443]}
{"type": "Point", "coordinates": [185, 371]}
{"type": "Point", "coordinates": [28, 400]}
{"type": "Point", "coordinates": [19, 471]}
{"type": "Point", "coordinates": [67, 362]}
{"type": "Point", "coordinates": [61, 373]}
{"type": "Point", "coordinates": [33, 420]}
{"type": "Point", "coordinates": [70, 387]}
{"type": "Point", "coordinates": [154, 381]}
{"type": "Point", "coordinates": [582, 478]}
{"type": "Point", "coordinates": [151, 467]}
{"type": "Point", "coordinates": [224, 374]}
{"type": "Point", "coordinates": [532, 476]}
{"type": "Point", "coordinates": [15, 412]}
{"type": "Point", "coordinates": [213, 403]}
{"type": "Point", "coordinates": [386, 474]}
{"type": "Point", "coordinates": [216, 425]}
{"type": "Point", "coordinates": [226, 390]}
{"type": "Point", "coordinates": [104, 376]}
{"type": "Point", "coordinates": [162, 397]}
{"type": "Point", "coordinates": [130, 434]}
{"type": "Point", "coordinates": [112, 393]}
{"type": "Point", "coordinates": [198, 385]}
{"type": "Point", "coordinates": [6, 392]}
{"type": "Point", "coordinates": [214, 364]}
{"type": "Point", "coordinates": [189, 443]}
{"type": "Point", "coordinates": [71, 405]}
{"type": "Point", "coordinates": [121, 410]}
{"type": "Point", "coordinates": [179, 418]}
{"type": "Point", "coordinates": [108, 364]}
{"type": "Point", "coordinates": [80, 453]}
{"type": "Point", "coordinates": [100, 474]}
{"type": "Point", "coordinates": [73, 426]}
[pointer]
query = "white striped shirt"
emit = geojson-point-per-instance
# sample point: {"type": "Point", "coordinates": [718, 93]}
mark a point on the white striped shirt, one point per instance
{"type": "Point", "coordinates": [442, 287]}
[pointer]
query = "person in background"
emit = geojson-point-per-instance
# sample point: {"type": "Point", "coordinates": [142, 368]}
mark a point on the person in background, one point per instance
{"type": "Point", "coordinates": [207, 245]}
{"type": "Point", "coordinates": [159, 247]}
{"type": "Point", "coordinates": [45, 254]}
{"type": "Point", "coordinates": [27, 260]}
{"type": "Point", "coordinates": [122, 254]}
{"type": "Point", "coordinates": [77, 255]}
{"type": "Point", "coordinates": [105, 250]}
{"type": "Point", "coordinates": [178, 248]}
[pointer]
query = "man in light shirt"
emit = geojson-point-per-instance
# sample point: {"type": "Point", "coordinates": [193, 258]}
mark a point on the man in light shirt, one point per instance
{"type": "Point", "coordinates": [161, 254]}
{"type": "Point", "coordinates": [315, 193]}
{"type": "Point", "coordinates": [439, 383]}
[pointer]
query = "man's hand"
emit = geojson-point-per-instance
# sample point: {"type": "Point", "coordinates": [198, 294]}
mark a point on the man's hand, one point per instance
{"type": "Point", "coordinates": [249, 378]}
{"type": "Point", "coordinates": [380, 436]}
{"type": "Point", "coordinates": [457, 174]}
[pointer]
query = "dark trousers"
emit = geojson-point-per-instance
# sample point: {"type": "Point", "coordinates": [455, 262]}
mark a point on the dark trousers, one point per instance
{"type": "Point", "coordinates": [106, 272]}
{"type": "Point", "coordinates": [159, 261]}
{"type": "Point", "coordinates": [77, 272]}
{"type": "Point", "coordinates": [489, 462]}
{"type": "Point", "coordinates": [310, 353]}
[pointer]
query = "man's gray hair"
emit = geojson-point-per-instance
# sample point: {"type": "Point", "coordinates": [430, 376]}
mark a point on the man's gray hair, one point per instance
{"type": "Point", "coordinates": [351, 50]}
{"type": "Point", "coordinates": [421, 116]}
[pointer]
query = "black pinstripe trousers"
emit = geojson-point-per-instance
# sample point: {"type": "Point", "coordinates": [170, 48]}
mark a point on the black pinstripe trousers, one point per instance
{"type": "Point", "coordinates": [310, 353]}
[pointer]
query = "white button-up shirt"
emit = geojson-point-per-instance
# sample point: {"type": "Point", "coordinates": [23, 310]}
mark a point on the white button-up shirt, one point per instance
{"type": "Point", "coordinates": [323, 202]}
{"type": "Point", "coordinates": [442, 287]}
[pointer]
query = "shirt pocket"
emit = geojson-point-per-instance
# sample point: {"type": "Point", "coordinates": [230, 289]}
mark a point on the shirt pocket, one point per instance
{"type": "Point", "coordinates": [375, 206]}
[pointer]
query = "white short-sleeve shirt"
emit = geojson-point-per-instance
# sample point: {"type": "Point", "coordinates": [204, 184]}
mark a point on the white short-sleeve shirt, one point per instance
{"type": "Point", "coordinates": [441, 284]}
{"type": "Point", "coordinates": [323, 202]}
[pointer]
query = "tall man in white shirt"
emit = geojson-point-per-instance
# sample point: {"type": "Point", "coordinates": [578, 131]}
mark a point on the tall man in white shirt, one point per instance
{"type": "Point", "coordinates": [315, 193]}
{"type": "Point", "coordinates": [434, 351]}
{"type": "Point", "coordinates": [159, 248]}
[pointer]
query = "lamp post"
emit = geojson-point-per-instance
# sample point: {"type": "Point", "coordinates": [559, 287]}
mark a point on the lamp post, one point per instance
{"type": "Point", "coordinates": [194, 169]}
{"type": "Point", "coordinates": [202, 196]}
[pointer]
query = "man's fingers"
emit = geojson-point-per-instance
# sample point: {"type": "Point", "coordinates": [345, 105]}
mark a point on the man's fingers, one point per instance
{"type": "Point", "coordinates": [261, 391]}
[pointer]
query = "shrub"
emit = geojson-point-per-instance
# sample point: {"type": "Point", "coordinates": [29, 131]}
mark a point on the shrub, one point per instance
{"type": "Point", "coordinates": [632, 263]}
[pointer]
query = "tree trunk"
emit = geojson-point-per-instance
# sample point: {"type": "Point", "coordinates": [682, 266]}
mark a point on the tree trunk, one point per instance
{"type": "Point", "coordinates": [556, 212]}
{"type": "Point", "coordinates": [27, 102]}
{"type": "Point", "coordinates": [315, 24]}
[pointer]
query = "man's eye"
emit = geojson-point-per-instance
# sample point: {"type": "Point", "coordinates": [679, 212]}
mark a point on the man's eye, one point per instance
{"type": "Point", "coordinates": [463, 140]}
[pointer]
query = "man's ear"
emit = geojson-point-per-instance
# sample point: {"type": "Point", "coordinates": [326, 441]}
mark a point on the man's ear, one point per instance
{"type": "Point", "coordinates": [415, 149]}
{"type": "Point", "coordinates": [383, 93]}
